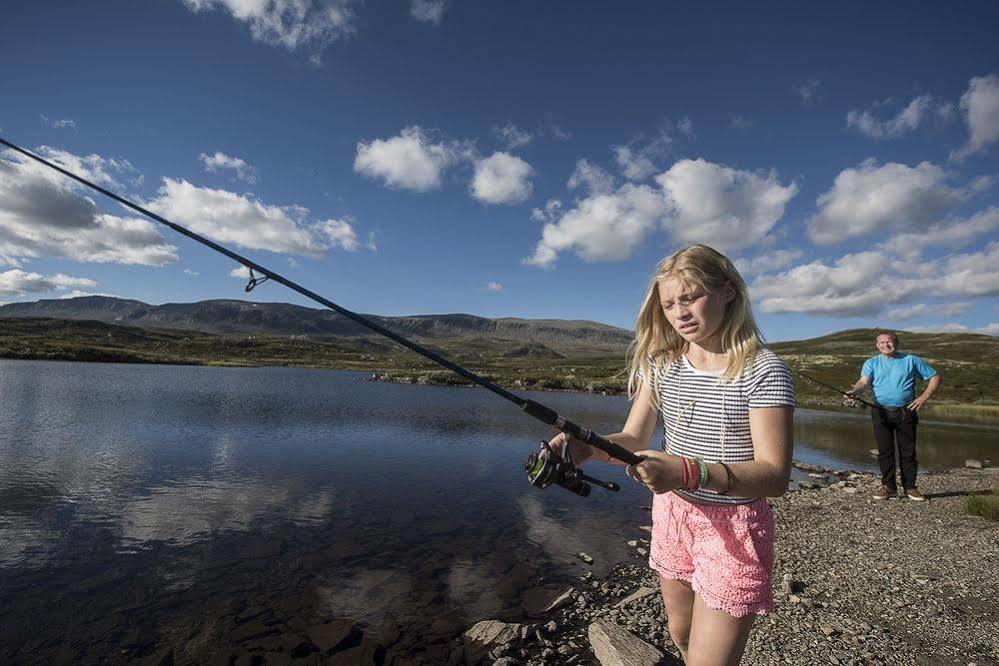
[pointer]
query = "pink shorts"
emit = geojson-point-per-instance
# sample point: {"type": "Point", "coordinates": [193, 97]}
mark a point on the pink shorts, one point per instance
{"type": "Point", "coordinates": [726, 553]}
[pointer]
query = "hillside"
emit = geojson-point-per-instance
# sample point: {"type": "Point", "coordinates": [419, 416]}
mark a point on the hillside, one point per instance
{"type": "Point", "coordinates": [526, 354]}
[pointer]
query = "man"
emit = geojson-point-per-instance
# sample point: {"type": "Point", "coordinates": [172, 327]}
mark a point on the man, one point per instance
{"type": "Point", "coordinates": [893, 378]}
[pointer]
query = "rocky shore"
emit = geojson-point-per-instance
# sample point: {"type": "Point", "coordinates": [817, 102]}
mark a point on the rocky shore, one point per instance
{"type": "Point", "coordinates": [857, 581]}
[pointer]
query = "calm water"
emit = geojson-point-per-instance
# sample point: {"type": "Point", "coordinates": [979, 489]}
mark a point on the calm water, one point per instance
{"type": "Point", "coordinates": [143, 506]}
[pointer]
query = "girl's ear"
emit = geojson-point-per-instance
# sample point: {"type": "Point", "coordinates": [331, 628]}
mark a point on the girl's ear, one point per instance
{"type": "Point", "coordinates": [729, 291]}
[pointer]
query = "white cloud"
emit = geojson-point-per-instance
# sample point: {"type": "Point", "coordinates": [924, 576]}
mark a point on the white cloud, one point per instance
{"type": "Point", "coordinates": [872, 198]}
{"type": "Point", "coordinates": [954, 327]}
{"type": "Point", "coordinates": [867, 282]}
{"type": "Point", "coordinates": [17, 283]}
{"type": "Point", "coordinates": [714, 204]}
{"type": "Point", "coordinates": [552, 209]}
{"type": "Point", "coordinates": [43, 213]}
{"type": "Point", "coordinates": [220, 161]}
{"type": "Point", "coordinates": [603, 226]}
{"type": "Point", "coordinates": [427, 11]}
{"type": "Point", "coordinates": [512, 136]}
{"type": "Point", "coordinates": [240, 272]}
{"type": "Point", "coordinates": [591, 178]}
{"type": "Point", "coordinates": [633, 165]}
{"type": "Point", "coordinates": [918, 111]}
{"type": "Point", "coordinates": [288, 23]}
{"type": "Point", "coordinates": [494, 286]}
{"type": "Point", "coordinates": [65, 123]}
{"type": "Point", "coordinates": [764, 263]}
{"type": "Point", "coordinates": [980, 105]}
{"type": "Point", "coordinates": [227, 217]}
{"type": "Point", "coordinates": [928, 310]}
{"type": "Point", "coordinates": [188, 271]}
{"type": "Point", "coordinates": [411, 160]}
{"type": "Point", "coordinates": [808, 91]}
{"type": "Point", "coordinates": [948, 234]}
{"type": "Point", "coordinates": [686, 125]}
{"type": "Point", "coordinates": [502, 179]}
{"type": "Point", "coordinates": [854, 285]}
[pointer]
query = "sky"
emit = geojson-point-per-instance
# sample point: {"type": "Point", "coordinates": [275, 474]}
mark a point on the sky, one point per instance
{"type": "Point", "coordinates": [515, 159]}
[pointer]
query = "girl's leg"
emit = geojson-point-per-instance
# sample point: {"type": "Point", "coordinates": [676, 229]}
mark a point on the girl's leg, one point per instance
{"type": "Point", "coordinates": [679, 601]}
{"type": "Point", "coordinates": [716, 638]}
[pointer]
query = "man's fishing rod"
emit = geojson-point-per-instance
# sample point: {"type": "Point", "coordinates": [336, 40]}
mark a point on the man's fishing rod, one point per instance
{"type": "Point", "coordinates": [543, 468]}
{"type": "Point", "coordinates": [846, 394]}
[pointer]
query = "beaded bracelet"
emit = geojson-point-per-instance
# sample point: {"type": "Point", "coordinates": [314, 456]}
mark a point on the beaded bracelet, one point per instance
{"type": "Point", "coordinates": [702, 467]}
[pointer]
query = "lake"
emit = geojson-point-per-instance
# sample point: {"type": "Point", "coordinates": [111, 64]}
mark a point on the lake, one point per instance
{"type": "Point", "coordinates": [148, 506]}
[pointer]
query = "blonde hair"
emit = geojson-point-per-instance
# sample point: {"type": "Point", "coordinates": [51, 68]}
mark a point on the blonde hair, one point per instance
{"type": "Point", "coordinates": [655, 339]}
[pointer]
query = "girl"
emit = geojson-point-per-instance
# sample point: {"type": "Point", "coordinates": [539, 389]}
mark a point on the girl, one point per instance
{"type": "Point", "coordinates": [727, 404]}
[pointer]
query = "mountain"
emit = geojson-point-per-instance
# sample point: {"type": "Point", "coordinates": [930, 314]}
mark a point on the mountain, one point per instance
{"type": "Point", "coordinates": [227, 317]}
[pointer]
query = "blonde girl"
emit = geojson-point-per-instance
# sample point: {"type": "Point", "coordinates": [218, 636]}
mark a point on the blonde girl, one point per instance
{"type": "Point", "coordinates": [726, 403]}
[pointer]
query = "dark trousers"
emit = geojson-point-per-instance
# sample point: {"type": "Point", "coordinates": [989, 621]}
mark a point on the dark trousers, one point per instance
{"type": "Point", "coordinates": [888, 423]}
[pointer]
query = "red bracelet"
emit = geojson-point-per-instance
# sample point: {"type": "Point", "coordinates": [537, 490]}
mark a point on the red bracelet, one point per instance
{"type": "Point", "coordinates": [694, 474]}
{"type": "Point", "coordinates": [683, 466]}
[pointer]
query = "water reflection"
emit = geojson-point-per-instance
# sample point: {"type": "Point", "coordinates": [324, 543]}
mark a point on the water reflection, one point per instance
{"type": "Point", "coordinates": [176, 503]}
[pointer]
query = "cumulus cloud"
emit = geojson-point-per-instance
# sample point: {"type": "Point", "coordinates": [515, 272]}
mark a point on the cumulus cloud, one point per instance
{"type": "Point", "coordinates": [227, 217]}
{"type": "Point", "coordinates": [924, 310]}
{"type": "Point", "coordinates": [43, 213]}
{"type": "Point", "coordinates": [222, 162]}
{"type": "Point", "coordinates": [552, 209]}
{"type": "Point", "coordinates": [590, 177]}
{"type": "Point", "coordinates": [603, 226]}
{"type": "Point", "coordinates": [864, 283]}
{"type": "Point", "coordinates": [412, 160]}
{"type": "Point", "coordinates": [494, 286]}
{"type": "Point", "coordinates": [916, 112]}
{"type": "Point", "coordinates": [949, 234]}
{"type": "Point", "coordinates": [18, 283]}
{"type": "Point", "coordinates": [872, 198]}
{"type": "Point", "coordinates": [980, 106]}
{"type": "Point", "coordinates": [764, 263]}
{"type": "Point", "coordinates": [502, 179]}
{"type": "Point", "coordinates": [954, 327]}
{"type": "Point", "coordinates": [512, 137]}
{"type": "Point", "coordinates": [634, 166]}
{"type": "Point", "coordinates": [724, 207]}
{"type": "Point", "coordinates": [427, 11]}
{"type": "Point", "coordinates": [292, 24]}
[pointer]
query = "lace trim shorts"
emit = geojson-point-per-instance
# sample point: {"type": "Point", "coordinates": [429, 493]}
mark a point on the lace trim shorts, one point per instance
{"type": "Point", "coordinates": [725, 552]}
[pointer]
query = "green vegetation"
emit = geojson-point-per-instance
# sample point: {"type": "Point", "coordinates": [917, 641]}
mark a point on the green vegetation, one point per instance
{"type": "Point", "coordinates": [986, 506]}
{"type": "Point", "coordinates": [969, 363]}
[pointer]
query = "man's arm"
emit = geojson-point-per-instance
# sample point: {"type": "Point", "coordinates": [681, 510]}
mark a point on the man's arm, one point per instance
{"type": "Point", "coordinates": [861, 384]}
{"type": "Point", "coordinates": [921, 399]}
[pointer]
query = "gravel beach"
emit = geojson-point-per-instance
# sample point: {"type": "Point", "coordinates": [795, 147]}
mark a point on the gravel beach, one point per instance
{"type": "Point", "coordinates": [856, 581]}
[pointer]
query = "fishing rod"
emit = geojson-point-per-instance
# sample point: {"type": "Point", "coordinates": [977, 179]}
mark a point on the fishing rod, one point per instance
{"type": "Point", "coordinates": [544, 468]}
{"type": "Point", "coordinates": [848, 394]}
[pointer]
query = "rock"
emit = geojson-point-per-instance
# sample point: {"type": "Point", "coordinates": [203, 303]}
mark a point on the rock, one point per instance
{"type": "Point", "coordinates": [540, 600]}
{"type": "Point", "coordinates": [641, 593]}
{"type": "Point", "coordinates": [809, 485]}
{"type": "Point", "coordinates": [633, 544]}
{"type": "Point", "coordinates": [851, 490]}
{"type": "Point", "coordinates": [827, 630]}
{"type": "Point", "coordinates": [487, 635]}
{"type": "Point", "coordinates": [817, 475]}
{"type": "Point", "coordinates": [971, 463]}
{"type": "Point", "coordinates": [873, 452]}
{"type": "Point", "coordinates": [586, 558]}
{"type": "Point", "coordinates": [615, 646]}
{"type": "Point", "coordinates": [646, 528]}
{"type": "Point", "coordinates": [330, 635]}
{"type": "Point", "coordinates": [642, 551]}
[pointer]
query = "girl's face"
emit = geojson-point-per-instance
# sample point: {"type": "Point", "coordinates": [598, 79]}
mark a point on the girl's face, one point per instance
{"type": "Point", "coordinates": [695, 313]}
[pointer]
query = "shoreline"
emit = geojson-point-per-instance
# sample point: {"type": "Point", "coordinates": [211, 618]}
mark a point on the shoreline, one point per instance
{"type": "Point", "coordinates": [856, 581]}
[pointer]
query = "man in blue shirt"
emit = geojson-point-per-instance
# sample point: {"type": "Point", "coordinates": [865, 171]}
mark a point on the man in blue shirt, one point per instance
{"type": "Point", "coordinates": [893, 378]}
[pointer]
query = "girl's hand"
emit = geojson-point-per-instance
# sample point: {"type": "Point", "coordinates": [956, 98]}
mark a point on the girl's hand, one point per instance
{"type": "Point", "coordinates": [659, 472]}
{"type": "Point", "coordinates": [579, 450]}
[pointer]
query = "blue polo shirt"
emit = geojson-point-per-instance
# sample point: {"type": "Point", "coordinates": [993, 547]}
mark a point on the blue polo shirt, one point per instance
{"type": "Point", "coordinates": [894, 379]}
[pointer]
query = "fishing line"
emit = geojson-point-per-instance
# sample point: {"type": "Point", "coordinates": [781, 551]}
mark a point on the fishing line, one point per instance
{"type": "Point", "coordinates": [543, 469]}
{"type": "Point", "coordinates": [840, 391]}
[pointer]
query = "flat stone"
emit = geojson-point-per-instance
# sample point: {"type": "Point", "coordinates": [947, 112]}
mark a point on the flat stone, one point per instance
{"type": "Point", "coordinates": [540, 600]}
{"type": "Point", "coordinates": [486, 635]}
{"type": "Point", "coordinates": [616, 646]}
{"type": "Point", "coordinates": [586, 558]}
{"type": "Point", "coordinates": [641, 593]}
{"type": "Point", "coordinates": [971, 463]}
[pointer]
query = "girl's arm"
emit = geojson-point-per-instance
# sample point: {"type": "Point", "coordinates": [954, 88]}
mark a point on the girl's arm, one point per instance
{"type": "Point", "coordinates": [766, 476]}
{"type": "Point", "coordinates": [638, 430]}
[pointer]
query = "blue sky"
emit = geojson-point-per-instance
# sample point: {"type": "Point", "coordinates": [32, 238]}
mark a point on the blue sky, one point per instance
{"type": "Point", "coordinates": [511, 159]}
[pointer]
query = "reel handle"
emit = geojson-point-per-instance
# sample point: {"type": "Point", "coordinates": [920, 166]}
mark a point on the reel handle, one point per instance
{"type": "Point", "coordinates": [551, 417]}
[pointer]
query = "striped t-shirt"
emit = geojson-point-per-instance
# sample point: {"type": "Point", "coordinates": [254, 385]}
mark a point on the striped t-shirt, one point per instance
{"type": "Point", "coordinates": [707, 417]}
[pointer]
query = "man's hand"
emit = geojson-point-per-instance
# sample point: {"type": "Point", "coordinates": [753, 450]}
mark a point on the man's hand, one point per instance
{"type": "Point", "coordinates": [917, 403]}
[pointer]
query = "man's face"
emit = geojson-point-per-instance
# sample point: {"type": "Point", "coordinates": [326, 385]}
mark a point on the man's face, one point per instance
{"type": "Point", "coordinates": [886, 345]}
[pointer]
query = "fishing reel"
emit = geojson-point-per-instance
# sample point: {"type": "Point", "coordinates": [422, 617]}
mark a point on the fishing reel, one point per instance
{"type": "Point", "coordinates": [547, 467]}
